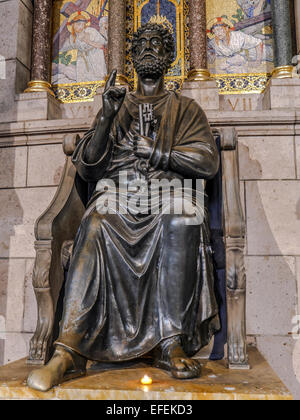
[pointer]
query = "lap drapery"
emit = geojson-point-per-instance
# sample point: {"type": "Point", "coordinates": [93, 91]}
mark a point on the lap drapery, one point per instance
{"type": "Point", "coordinates": [135, 280]}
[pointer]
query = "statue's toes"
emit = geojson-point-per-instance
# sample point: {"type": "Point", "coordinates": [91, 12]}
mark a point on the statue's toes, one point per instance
{"type": "Point", "coordinates": [195, 365]}
{"type": "Point", "coordinates": [185, 368]}
{"type": "Point", "coordinates": [42, 380]}
{"type": "Point", "coordinates": [179, 365]}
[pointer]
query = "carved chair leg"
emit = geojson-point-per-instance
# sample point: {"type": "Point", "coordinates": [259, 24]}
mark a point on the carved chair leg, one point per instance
{"type": "Point", "coordinates": [236, 304]}
{"type": "Point", "coordinates": [41, 340]}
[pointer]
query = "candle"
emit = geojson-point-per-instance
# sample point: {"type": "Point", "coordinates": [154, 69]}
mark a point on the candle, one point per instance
{"type": "Point", "coordinates": [146, 380]}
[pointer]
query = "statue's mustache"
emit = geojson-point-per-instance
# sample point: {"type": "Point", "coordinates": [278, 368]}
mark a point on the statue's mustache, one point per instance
{"type": "Point", "coordinates": [148, 54]}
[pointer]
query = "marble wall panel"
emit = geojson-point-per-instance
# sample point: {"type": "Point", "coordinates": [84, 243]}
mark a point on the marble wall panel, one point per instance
{"type": "Point", "coordinates": [13, 167]}
{"type": "Point", "coordinates": [273, 217]}
{"type": "Point", "coordinates": [17, 77]}
{"type": "Point", "coordinates": [45, 165]}
{"type": "Point", "coordinates": [16, 30]}
{"type": "Point", "coordinates": [15, 295]}
{"type": "Point", "coordinates": [298, 283]}
{"type": "Point", "coordinates": [281, 352]}
{"type": "Point", "coordinates": [298, 156]}
{"type": "Point", "coordinates": [16, 346]}
{"type": "Point", "coordinates": [267, 157]}
{"type": "Point", "coordinates": [4, 264]}
{"type": "Point", "coordinates": [271, 295]}
{"type": "Point", "coordinates": [24, 35]}
{"type": "Point", "coordinates": [18, 212]}
{"type": "Point", "coordinates": [284, 93]}
{"type": "Point", "coordinates": [8, 28]}
{"type": "Point", "coordinates": [207, 97]}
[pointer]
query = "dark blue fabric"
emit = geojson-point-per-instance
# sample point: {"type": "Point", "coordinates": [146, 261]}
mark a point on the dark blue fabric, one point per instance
{"type": "Point", "coordinates": [215, 207]}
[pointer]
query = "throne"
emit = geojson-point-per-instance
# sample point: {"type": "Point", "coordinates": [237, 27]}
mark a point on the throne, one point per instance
{"type": "Point", "coordinates": [56, 228]}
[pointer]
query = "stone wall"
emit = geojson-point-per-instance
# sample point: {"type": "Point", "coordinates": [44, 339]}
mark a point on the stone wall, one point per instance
{"type": "Point", "coordinates": [270, 189]}
{"type": "Point", "coordinates": [15, 47]}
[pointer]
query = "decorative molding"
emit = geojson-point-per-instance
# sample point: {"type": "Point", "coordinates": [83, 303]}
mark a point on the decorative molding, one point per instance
{"type": "Point", "coordinates": [77, 92]}
{"type": "Point", "coordinates": [247, 123]}
{"type": "Point", "coordinates": [39, 86]}
{"type": "Point", "coordinates": [283, 72]}
{"type": "Point", "coordinates": [199, 75]}
{"type": "Point", "coordinates": [241, 83]}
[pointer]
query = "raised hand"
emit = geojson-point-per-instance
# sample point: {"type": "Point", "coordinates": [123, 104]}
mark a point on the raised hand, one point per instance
{"type": "Point", "coordinates": [113, 97]}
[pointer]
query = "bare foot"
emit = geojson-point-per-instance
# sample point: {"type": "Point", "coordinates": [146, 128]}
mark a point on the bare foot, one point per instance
{"type": "Point", "coordinates": [60, 368]}
{"type": "Point", "coordinates": [170, 356]}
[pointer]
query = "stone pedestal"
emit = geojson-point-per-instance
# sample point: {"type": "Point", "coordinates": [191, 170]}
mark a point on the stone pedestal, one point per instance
{"type": "Point", "coordinates": [242, 102]}
{"type": "Point", "coordinates": [281, 93]}
{"type": "Point", "coordinates": [205, 93]}
{"type": "Point", "coordinates": [37, 106]}
{"type": "Point", "coordinates": [217, 383]}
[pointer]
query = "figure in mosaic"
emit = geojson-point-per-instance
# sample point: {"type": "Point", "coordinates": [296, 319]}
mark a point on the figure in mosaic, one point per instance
{"type": "Point", "coordinates": [89, 44]}
{"type": "Point", "coordinates": [253, 8]}
{"type": "Point", "coordinates": [240, 52]}
{"type": "Point", "coordinates": [140, 283]}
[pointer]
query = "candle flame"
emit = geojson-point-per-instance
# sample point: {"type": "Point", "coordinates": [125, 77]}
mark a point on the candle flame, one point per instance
{"type": "Point", "coordinates": [146, 380]}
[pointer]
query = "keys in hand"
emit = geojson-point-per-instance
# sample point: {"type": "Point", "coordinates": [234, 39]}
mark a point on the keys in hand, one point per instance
{"type": "Point", "coordinates": [141, 145]}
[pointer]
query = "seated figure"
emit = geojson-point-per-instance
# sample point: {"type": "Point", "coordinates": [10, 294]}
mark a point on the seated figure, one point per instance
{"type": "Point", "coordinates": [140, 283]}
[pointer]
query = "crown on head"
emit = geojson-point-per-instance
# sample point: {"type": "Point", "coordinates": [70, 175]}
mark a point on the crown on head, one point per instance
{"type": "Point", "coordinates": [162, 20]}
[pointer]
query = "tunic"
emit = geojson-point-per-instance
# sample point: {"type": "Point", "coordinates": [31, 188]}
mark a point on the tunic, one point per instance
{"type": "Point", "coordinates": [136, 279]}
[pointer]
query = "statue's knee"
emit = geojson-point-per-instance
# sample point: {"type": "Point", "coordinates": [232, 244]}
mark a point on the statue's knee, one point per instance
{"type": "Point", "coordinates": [183, 220]}
{"type": "Point", "coordinates": [183, 212]}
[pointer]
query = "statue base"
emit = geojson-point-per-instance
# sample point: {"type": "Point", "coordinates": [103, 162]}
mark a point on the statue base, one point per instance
{"type": "Point", "coordinates": [112, 383]}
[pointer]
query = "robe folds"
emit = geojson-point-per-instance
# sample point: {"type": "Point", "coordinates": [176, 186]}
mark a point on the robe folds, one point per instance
{"type": "Point", "coordinates": [138, 278]}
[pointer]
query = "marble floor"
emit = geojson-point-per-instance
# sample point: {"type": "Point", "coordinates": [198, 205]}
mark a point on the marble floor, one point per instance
{"type": "Point", "coordinates": [113, 383]}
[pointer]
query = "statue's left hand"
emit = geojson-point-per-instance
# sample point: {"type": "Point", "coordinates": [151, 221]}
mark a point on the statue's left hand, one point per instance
{"type": "Point", "coordinates": [142, 145]}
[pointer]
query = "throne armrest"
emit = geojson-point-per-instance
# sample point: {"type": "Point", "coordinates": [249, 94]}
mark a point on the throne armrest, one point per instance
{"type": "Point", "coordinates": [56, 226]}
{"type": "Point", "coordinates": [234, 229]}
{"type": "Point", "coordinates": [234, 222]}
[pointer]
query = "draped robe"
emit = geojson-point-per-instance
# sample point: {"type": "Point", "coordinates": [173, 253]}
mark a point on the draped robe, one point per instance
{"type": "Point", "coordinates": [137, 279]}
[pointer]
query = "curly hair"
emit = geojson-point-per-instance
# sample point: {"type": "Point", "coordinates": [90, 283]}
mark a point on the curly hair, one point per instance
{"type": "Point", "coordinates": [165, 34]}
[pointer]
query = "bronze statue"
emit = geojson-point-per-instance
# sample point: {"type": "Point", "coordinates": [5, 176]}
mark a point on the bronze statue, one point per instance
{"type": "Point", "coordinates": [139, 283]}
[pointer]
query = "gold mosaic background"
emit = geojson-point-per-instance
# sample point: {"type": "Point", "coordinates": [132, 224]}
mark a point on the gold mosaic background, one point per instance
{"type": "Point", "coordinates": [248, 79]}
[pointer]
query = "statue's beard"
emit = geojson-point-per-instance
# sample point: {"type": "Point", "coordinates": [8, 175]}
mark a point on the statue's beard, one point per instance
{"type": "Point", "coordinates": [153, 69]}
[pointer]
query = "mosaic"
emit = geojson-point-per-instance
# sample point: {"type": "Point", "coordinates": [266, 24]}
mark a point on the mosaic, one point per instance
{"type": "Point", "coordinates": [240, 44]}
{"type": "Point", "coordinates": [79, 53]}
{"type": "Point", "coordinates": [172, 14]}
{"type": "Point", "coordinates": [239, 37]}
